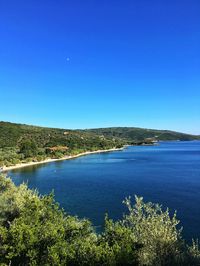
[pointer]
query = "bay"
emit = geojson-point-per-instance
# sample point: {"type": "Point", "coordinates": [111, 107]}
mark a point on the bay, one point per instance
{"type": "Point", "coordinates": [90, 186]}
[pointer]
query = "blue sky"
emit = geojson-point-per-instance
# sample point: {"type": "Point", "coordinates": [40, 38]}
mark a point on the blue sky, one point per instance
{"type": "Point", "coordinates": [84, 64]}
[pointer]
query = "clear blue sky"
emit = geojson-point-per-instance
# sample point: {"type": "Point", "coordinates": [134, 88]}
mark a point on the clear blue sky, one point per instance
{"type": "Point", "coordinates": [99, 63]}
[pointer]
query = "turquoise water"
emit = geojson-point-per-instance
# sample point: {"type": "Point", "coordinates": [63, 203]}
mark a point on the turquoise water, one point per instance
{"type": "Point", "coordinates": [94, 184]}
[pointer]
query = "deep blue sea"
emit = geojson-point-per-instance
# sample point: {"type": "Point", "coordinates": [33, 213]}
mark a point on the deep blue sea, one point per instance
{"type": "Point", "coordinates": [90, 186]}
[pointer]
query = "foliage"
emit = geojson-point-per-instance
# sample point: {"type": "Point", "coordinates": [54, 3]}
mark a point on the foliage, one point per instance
{"type": "Point", "coordinates": [23, 143]}
{"type": "Point", "coordinates": [35, 231]}
{"type": "Point", "coordinates": [28, 148]}
{"type": "Point", "coordinates": [135, 135]}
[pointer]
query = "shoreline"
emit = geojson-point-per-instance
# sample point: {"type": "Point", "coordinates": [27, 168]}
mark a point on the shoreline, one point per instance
{"type": "Point", "coordinates": [22, 165]}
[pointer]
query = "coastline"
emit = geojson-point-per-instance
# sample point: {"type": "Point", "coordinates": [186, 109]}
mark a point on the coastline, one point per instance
{"type": "Point", "coordinates": [22, 165]}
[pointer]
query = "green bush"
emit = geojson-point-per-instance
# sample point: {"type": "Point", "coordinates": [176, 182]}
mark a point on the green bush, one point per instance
{"type": "Point", "coordinates": [28, 148]}
{"type": "Point", "coordinates": [35, 231]}
{"type": "Point", "coordinates": [58, 155]}
{"type": "Point", "coordinates": [40, 158]}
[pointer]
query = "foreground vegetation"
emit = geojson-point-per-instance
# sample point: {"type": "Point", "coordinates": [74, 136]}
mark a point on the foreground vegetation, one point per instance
{"type": "Point", "coordinates": [35, 231]}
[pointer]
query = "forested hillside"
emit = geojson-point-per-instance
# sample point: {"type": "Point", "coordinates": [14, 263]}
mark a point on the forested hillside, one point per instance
{"type": "Point", "coordinates": [24, 143]}
{"type": "Point", "coordinates": [135, 134]}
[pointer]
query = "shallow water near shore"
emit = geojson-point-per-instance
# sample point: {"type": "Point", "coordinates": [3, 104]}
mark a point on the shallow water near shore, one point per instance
{"type": "Point", "coordinates": [92, 185]}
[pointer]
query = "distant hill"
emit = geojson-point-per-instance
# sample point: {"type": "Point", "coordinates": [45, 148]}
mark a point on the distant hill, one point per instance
{"type": "Point", "coordinates": [21, 143]}
{"type": "Point", "coordinates": [12, 134]}
{"type": "Point", "coordinates": [135, 134]}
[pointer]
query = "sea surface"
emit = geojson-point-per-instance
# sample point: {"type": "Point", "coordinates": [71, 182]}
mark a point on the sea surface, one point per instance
{"type": "Point", "coordinates": [92, 185]}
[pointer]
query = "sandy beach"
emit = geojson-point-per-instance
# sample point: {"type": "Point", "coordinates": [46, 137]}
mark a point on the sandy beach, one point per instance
{"type": "Point", "coordinates": [21, 165]}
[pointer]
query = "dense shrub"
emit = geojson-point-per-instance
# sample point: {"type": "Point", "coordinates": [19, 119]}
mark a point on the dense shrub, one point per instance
{"type": "Point", "coordinates": [35, 231]}
{"type": "Point", "coordinates": [28, 148]}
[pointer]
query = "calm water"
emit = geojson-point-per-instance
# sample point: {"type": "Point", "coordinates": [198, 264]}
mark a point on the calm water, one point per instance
{"type": "Point", "coordinates": [92, 185]}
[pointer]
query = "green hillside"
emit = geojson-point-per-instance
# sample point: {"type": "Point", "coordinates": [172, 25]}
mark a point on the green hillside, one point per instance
{"type": "Point", "coordinates": [11, 135]}
{"type": "Point", "coordinates": [135, 134]}
{"type": "Point", "coordinates": [24, 143]}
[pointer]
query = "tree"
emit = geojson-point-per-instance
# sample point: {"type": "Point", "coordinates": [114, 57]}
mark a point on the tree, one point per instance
{"type": "Point", "coordinates": [28, 148]}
